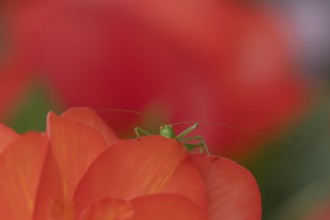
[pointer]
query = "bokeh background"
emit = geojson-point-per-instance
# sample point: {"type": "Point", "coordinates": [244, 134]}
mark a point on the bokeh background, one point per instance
{"type": "Point", "coordinates": [257, 70]}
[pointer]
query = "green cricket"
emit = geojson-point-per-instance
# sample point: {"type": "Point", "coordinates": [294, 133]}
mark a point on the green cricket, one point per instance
{"type": "Point", "coordinates": [168, 132]}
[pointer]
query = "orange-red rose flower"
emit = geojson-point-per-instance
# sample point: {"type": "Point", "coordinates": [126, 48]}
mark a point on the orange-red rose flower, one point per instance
{"type": "Point", "coordinates": [79, 170]}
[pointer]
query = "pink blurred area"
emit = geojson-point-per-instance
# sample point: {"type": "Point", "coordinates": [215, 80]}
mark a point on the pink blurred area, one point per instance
{"type": "Point", "coordinates": [308, 31]}
{"type": "Point", "coordinates": [218, 61]}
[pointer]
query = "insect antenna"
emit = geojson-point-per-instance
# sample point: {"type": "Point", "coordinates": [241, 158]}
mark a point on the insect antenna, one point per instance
{"type": "Point", "coordinates": [148, 120]}
{"type": "Point", "coordinates": [122, 110]}
{"type": "Point", "coordinates": [270, 137]}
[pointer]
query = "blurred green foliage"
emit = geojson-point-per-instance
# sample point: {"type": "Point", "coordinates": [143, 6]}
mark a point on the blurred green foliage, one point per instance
{"type": "Point", "coordinates": [294, 180]}
{"type": "Point", "coordinates": [32, 112]}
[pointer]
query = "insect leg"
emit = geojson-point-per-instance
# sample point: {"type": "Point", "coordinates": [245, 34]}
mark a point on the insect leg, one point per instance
{"type": "Point", "coordinates": [140, 132]}
{"type": "Point", "coordinates": [186, 132]}
{"type": "Point", "coordinates": [200, 144]}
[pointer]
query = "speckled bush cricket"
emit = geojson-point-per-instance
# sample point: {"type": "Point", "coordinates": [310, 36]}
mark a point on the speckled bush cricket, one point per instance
{"type": "Point", "coordinates": [166, 130]}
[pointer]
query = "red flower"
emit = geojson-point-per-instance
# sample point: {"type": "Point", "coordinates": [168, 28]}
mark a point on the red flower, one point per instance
{"type": "Point", "coordinates": [200, 60]}
{"type": "Point", "coordinates": [78, 169]}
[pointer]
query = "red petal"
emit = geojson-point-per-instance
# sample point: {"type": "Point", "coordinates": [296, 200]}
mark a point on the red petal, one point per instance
{"type": "Point", "coordinates": [89, 117]}
{"type": "Point", "coordinates": [165, 207]}
{"type": "Point", "coordinates": [232, 191]}
{"type": "Point", "coordinates": [6, 136]}
{"type": "Point", "coordinates": [51, 203]}
{"type": "Point", "coordinates": [20, 167]}
{"type": "Point", "coordinates": [109, 209]}
{"type": "Point", "coordinates": [75, 145]}
{"type": "Point", "coordinates": [148, 165]}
